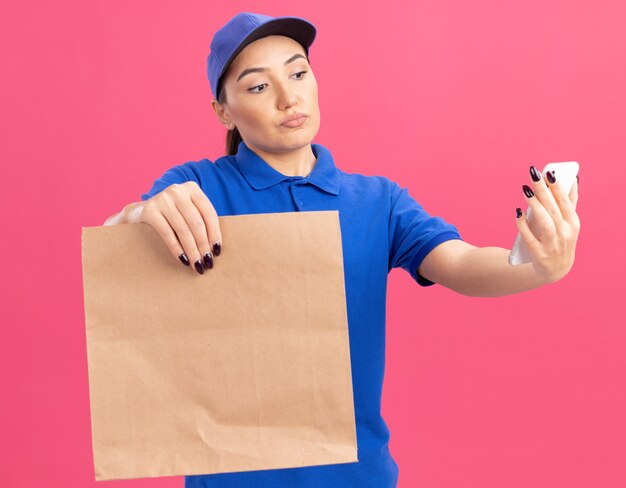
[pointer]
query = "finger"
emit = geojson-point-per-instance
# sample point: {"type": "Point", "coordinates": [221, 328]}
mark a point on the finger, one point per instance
{"type": "Point", "coordinates": [573, 194]}
{"type": "Point", "coordinates": [211, 219]}
{"type": "Point", "coordinates": [528, 237]}
{"type": "Point", "coordinates": [545, 196]}
{"type": "Point", "coordinates": [156, 219]}
{"type": "Point", "coordinates": [176, 220]}
{"type": "Point", "coordinates": [195, 222]}
{"type": "Point", "coordinates": [561, 198]}
{"type": "Point", "coordinates": [543, 223]}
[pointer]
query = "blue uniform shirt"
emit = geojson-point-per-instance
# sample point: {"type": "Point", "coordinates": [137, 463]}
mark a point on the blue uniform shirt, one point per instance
{"type": "Point", "coordinates": [382, 227]}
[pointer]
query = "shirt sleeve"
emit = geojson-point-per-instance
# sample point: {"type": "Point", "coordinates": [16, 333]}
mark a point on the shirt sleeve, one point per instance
{"type": "Point", "coordinates": [413, 233]}
{"type": "Point", "coordinates": [177, 174]}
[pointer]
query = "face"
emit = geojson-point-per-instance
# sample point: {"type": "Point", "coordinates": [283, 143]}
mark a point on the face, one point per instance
{"type": "Point", "coordinates": [270, 81]}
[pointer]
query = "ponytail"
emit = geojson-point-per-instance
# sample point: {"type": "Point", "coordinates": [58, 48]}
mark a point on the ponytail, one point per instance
{"type": "Point", "coordinates": [233, 138]}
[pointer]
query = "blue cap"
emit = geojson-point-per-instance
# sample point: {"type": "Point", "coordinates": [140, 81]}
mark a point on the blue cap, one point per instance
{"type": "Point", "coordinates": [247, 27]}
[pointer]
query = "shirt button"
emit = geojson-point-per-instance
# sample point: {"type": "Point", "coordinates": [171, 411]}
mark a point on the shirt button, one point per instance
{"type": "Point", "coordinates": [301, 203]}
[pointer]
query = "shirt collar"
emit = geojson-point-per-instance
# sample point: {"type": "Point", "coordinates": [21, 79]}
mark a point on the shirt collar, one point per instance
{"type": "Point", "coordinates": [261, 175]}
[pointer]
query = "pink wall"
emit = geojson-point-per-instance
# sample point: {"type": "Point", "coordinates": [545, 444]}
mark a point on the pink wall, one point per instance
{"type": "Point", "coordinates": [453, 99]}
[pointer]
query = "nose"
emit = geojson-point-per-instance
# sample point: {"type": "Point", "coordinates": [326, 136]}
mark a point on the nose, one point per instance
{"type": "Point", "coordinates": [286, 96]}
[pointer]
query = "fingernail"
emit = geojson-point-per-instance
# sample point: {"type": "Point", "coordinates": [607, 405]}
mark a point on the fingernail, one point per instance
{"type": "Point", "coordinates": [551, 177]}
{"type": "Point", "coordinates": [184, 259]}
{"type": "Point", "coordinates": [518, 212]}
{"type": "Point", "coordinates": [208, 260]}
{"type": "Point", "coordinates": [527, 191]}
{"type": "Point", "coordinates": [534, 174]}
{"type": "Point", "coordinates": [217, 248]}
{"type": "Point", "coordinates": [198, 265]}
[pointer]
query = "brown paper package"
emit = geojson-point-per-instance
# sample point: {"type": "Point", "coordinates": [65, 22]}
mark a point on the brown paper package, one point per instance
{"type": "Point", "coordinates": [243, 368]}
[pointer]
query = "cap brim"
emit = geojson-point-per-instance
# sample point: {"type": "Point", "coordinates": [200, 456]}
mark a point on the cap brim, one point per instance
{"type": "Point", "coordinates": [298, 29]}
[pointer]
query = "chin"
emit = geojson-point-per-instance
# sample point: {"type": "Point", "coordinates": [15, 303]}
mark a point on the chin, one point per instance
{"type": "Point", "coordinates": [287, 141]}
{"type": "Point", "coordinates": [298, 138]}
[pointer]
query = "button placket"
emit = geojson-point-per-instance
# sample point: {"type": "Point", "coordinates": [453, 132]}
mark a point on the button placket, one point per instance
{"type": "Point", "coordinates": [297, 199]}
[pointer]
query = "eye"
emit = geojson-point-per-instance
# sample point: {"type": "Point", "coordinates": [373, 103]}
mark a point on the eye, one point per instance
{"type": "Point", "coordinates": [299, 75]}
{"type": "Point", "coordinates": [252, 90]}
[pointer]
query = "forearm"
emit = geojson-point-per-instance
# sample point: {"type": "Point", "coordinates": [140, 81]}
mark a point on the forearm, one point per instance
{"type": "Point", "coordinates": [486, 272]}
{"type": "Point", "coordinates": [128, 215]}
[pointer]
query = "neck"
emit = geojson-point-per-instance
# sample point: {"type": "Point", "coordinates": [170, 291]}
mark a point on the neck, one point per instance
{"type": "Point", "coordinates": [297, 162]}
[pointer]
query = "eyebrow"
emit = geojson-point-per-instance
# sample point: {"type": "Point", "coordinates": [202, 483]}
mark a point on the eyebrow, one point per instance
{"type": "Point", "coordinates": [260, 70]}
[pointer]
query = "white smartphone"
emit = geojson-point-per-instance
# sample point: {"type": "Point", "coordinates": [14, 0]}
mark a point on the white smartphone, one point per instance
{"type": "Point", "coordinates": [565, 174]}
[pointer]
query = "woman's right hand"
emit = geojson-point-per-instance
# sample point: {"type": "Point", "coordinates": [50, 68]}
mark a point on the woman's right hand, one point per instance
{"type": "Point", "coordinates": [185, 219]}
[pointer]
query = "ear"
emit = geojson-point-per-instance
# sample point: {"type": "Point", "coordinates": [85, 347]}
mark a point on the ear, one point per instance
{"type": "Point", "coordinates": [222, 114]}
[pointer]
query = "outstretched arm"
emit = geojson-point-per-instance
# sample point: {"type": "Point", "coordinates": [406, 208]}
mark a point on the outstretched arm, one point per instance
{"type": "Point", "coordinates": [486, 272]}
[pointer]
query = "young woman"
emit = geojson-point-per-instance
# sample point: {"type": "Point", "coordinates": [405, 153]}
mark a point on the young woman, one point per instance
{"type": "Point", "coordinates": [267, 97]}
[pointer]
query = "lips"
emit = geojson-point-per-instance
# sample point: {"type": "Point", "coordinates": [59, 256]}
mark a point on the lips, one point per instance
{"type": "Point", "coordinates": [294, 120]}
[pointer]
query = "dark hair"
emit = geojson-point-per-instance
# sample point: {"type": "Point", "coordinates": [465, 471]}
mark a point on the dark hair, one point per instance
{"type": "Point", "coordinates": [233, 137]}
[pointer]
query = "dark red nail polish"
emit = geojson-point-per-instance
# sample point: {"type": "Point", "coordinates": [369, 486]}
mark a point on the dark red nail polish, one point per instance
{"type": "Point", "coordinates": [518, 212]}
{"type": "Point", "coordinates": [551, 177]}
{"type": "Point", "coordinates": [208, 260]}
{"type": "Point", "coordinates": [184, 259]}
{"type": "Point", "coordinates": [534, 174]}
{"type": "Point", "coordinates": [527, 191]}
{"type": "Point", "coordinates": [198, 265]}
{"type": "Point", "coordinates": [217, 248]}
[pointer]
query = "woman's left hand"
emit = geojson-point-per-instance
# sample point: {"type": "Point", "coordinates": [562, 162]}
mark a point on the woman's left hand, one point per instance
{"type": "Point", "coordinates": [555, 222]}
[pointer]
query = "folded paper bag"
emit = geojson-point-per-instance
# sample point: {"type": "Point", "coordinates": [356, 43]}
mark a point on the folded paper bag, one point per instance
{"type": "Point", "coordinates": [243, 368]}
